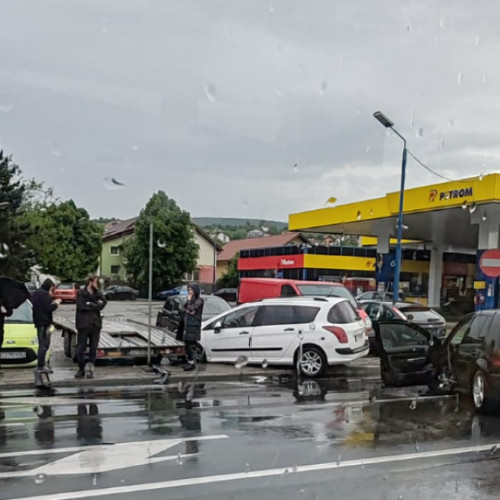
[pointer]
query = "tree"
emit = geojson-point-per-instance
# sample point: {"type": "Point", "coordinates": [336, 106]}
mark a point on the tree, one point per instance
{"type": "Point", "coordinates": [15, 256]}
{"type": "Point", "coordinates": [231, 278]}
{"type": "Point", "coordinates": [175, 250]}
{"type": "Point", "coordinates": [63, 239]}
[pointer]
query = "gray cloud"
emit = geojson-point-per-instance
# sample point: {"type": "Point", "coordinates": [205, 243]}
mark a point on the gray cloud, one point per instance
{"type": "Point", "coordinates": [215, 101]}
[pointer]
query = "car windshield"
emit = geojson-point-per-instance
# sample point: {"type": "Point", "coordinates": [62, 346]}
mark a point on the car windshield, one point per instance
{"type": "Point", "coordinates": [212, 307]}
{"type": "Point", "coordinates": [65, 286]}
{"type": "Point", "coordinates": [327, 291]}
{"type": "Point", "coordinates": [23, 314]}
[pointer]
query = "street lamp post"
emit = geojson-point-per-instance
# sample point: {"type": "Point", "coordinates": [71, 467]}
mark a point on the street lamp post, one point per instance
{"type": "Point", "coordinates": [387, 123]}
{"type": "Point", "coordinates": [150, 291]}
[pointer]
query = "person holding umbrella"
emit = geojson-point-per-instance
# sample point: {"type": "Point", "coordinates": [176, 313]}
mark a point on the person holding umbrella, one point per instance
{"type": "Point", "coordinates": [43, 307]}
{"type": "Point", "coordinates": [12, 295]}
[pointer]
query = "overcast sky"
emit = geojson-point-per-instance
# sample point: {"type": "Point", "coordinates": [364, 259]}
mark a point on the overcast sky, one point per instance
{"type": "Point", "coordinates": [246, 108]}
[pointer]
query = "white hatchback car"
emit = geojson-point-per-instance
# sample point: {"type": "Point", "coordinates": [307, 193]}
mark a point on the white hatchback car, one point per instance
{"type": "Point", "coordinates": [311, 333]}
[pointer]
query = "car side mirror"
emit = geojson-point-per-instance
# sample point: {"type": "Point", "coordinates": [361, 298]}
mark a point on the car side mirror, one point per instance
{"type": "Point", "coordinates": [218, 327]}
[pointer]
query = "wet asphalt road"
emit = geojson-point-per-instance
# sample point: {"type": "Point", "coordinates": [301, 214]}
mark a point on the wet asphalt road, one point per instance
{"type": "Point", "coordinates": [246, 440]}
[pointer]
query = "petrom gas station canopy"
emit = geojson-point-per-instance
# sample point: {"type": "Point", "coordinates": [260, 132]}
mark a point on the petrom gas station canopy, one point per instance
{"type": "Point", "coordinates": [447, 214]}
{"type": "Point", "coordinates": [458, 216]}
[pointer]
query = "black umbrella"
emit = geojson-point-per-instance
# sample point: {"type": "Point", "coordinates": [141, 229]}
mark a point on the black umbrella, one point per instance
{"type": "Point", "coordinates": [12, 293]}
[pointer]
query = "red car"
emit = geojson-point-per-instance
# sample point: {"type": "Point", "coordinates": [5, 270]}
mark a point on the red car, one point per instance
{"type": "Point", "coordinates": [66, 292]}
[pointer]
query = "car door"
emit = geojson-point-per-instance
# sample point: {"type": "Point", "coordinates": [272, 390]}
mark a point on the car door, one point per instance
{"type": "Point", "coordinates": [228, 337]}
{"type": "Point", "coordinates": [402, 348]}
{"type": "Point", "coordinates": [466, 349]}
{"type": "Point", "coordinates": [275, 330]}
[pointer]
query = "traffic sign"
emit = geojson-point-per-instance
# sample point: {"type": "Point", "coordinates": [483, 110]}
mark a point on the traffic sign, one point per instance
{"type": "Point", "coordinates": [490, 263]}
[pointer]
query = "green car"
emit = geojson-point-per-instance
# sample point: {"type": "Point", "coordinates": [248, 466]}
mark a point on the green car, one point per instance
{"type": "Point", "coordinates": [20, 345]}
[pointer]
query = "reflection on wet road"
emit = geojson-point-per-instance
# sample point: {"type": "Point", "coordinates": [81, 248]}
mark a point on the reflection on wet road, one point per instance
{"type": "Point", "coordinates": [279, 439]}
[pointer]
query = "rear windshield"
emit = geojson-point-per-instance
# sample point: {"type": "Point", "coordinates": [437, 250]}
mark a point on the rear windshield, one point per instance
{"type": "Point", "coordinates": [23, 314]}
{"type": "Point", "coordinates": [342, 313]}
{"type": "Point", "coordinates": [65, 286]}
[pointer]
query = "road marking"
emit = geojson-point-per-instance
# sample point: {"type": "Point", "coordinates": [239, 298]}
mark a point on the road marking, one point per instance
{"type": "Point", "coordinates": [52, 401]}
{"type": "Point", "coordinates": [197, 481]}
{"type": "Point", "coordinates": [150, 446]}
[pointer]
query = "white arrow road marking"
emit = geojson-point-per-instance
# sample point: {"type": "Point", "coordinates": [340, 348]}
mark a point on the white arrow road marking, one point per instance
{"type": "Point", "coordinates": [103, 458]}
{"type": "Point", "coordinates": [196, 481]}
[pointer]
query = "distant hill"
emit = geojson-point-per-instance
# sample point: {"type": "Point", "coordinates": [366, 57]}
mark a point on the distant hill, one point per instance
{"type": "Point", "coordinates": [234, 222]}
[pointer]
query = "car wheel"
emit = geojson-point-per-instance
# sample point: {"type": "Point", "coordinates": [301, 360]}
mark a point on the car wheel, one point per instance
{"type": "Point", "coordinates": [67, 343]}
{"type": "Point", "coordinates": [480, 393]}
{"type": "Point", "coordinates": [199, 354]}
{"type": "Point", "coordinates": [312, 363]}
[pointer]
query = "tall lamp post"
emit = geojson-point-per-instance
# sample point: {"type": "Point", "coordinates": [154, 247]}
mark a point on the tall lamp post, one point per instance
{"type": "Point", "coordinates": [387, 123]}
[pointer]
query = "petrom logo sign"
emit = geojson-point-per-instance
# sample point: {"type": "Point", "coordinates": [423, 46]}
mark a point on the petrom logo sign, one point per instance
{"type": "Point", "coordinates": [453, 194]}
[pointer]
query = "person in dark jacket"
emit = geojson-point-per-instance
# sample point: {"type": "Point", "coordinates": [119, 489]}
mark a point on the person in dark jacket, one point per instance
{"type": "Point", "coordinates": [4, 311]}
{"type": "Point", "coordinates": [89, 304]}
{"type": "Point", "coordinates": [43, 307]}
{"type": "Point", "coordinates": [192, 316]}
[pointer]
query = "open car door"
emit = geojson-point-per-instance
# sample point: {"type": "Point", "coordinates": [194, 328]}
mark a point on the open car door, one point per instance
{"type": "Point", "coordinates": [402, 348]}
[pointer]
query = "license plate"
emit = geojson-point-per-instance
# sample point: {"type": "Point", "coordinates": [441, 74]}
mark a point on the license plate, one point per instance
{"type": "Point", "coordinates": [12, 355]}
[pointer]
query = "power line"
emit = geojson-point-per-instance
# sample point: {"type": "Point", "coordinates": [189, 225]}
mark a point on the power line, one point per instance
{"type": "Point", "coordinates": [436, 173]}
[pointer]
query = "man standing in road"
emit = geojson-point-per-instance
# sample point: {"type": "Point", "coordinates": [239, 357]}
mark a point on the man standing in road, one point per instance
{"type": "Point", "coordinates": [4, 311]}
{"type": "Point", "coordinates": [89, 304]}
{"type": "Point", "coordinates": [43, 307]}
{"type": "Point", "coordinates": [193, 311]}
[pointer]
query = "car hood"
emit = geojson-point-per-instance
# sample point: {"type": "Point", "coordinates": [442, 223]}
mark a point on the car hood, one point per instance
{"type": "Point", "coordinates": [18, 332]}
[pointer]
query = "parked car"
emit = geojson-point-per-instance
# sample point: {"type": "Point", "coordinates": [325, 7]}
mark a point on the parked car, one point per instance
{"type": "Point", "coordinates": [375, 295]}
{"type": "Point", "coordinates": [67, 292]}
{"type": "Point", "coordinates": [118, 292]}
{"type": "Point", "coordinates": [468, 360]}
{"type": "Point", "coordinates": [228, 294]}
{"type": "Point", "coordinates": [252, 289]}
{"type": "Point", "coordinates": [169, 316]}
{"type": "Point", "coordinates": [314, 333]}
{"type": "Point", "coordinates": [423, 316]}
{"type": "Point", "coordinates": [20, 345]}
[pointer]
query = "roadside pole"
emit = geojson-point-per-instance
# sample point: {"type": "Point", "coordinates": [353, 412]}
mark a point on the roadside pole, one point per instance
{"type": "Point", "coordinates": [150, 291]}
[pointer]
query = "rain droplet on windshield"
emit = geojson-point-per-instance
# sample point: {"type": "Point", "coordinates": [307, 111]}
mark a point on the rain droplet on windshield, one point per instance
{"type": "Point", "coordinates": [451, 122]}
{"type": "Point", "coordinates": [485, 78]}
{"type": "Point", "coordinates": [4, 250]}
{"type": "Point", "coordinates": [211, 92]}
{"type": "Point", "coordinates": [271, 8]}
{"type": "Point", "coordinates": [265, 363]}
{"type": "Point", "coordinates": [180, 387]}
{"type": "Point", "coordinates": [459, 78]}
{"type": "Point", "coordinates": [55, 151]}
{"type": "Point", "coordinates": [241, 362]}
{"type": "Point", "coordinates": [339, 459]}
{"type": "Point", "coordinates": [295, 167]}
{"type": "Point", "coordinates": [412, 118]}
{"type": "Point", "coordinates": [190, 393]}
{"type": "Point", "coordinates": [295, 468]}
{"type": "Point", "coordinates": [472, 207]}
{"type": "Point", "coordinates": [179, 459]}
{"type": "Point", "coordinates": [104, 26]}
{"type": "Point", "coordinates": [247, 467]}
{"type": "Point", "coordinates": [324, 88]}
{"type": "Point", "coordinates": [420, 132]}
{"type": "Point", "coordinates": [161, 243]}
{"type": "Point", "coordinates": [40, 478]}
{"type": "Point", "coordinates": [135, 147]}
{"type": "Point", "coordinates": [111, 184]}
{"type": "Point", "coordinates": [413, 404]}
{"type": "Point", "coordinates": [285, 472]}
{"type": "Point", "coordinates": [494, 450]}
{"type": "Point", "coordinates": [368, 148]}
{"type": "Point", "coordinates": [5, 105]}
{"type": "Point", "coordinates": [481, 176]}
{"type": "Point", "coordinates": [464, 204]}
{"type": "Point", "coordinates": [245, 203]}
{"type": "Point", "coordinates": [477, 41]}
{"type": "Point", "coordinates": [94, 480]}
{"type": "Point", "coordinates": [358, 215]}
{"type": "Point", "coordinates": [442, 142]}
{"type": "Point", "coordinates": [416, 446]}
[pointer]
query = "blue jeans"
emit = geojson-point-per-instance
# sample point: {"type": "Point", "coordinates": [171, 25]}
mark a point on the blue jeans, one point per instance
{"type": "Point", "coordinates": [43, 344]}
